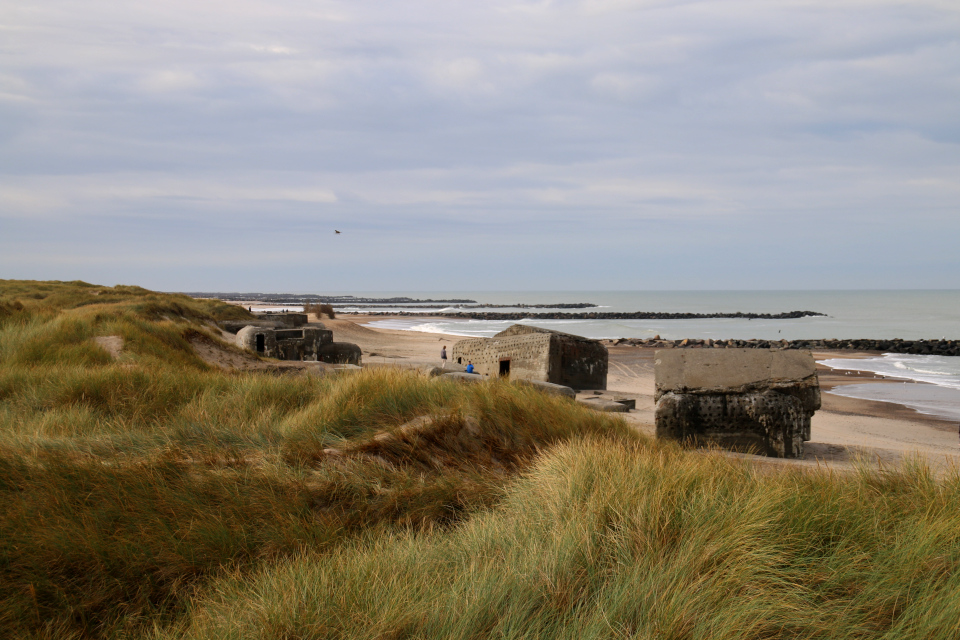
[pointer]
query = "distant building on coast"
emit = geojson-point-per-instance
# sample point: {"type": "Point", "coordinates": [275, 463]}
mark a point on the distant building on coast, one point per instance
{"type": "Point", "coordinates": [532, 353]}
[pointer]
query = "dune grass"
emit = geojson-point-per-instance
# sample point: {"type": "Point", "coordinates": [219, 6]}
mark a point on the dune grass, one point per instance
{"type": "Point", "coordinates": [97, 543]}
{"type": "Point", "coordinates": [152, 496]}
{"type": "Point", "coordinates": [615, 540]}
{"type": "Point", "coordinates": [125, 484]}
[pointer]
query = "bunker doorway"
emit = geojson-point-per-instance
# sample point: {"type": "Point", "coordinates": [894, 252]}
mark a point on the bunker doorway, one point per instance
{"type": "Point", "coordinates": [505, 367]}
{"type": "Point", "coordinates": [260, 343]}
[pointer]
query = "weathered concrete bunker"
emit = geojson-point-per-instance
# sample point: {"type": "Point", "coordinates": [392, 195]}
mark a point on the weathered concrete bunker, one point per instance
{"type": "Point", "coordinates": [285, 344]}
{"type": "Point", "coordinates": [289, 337]}
{"type": "Point", "coordinates": [269, 320]}
{"type": "Point", "coordinates": [751, 400]}
{"type": "Point", "coordinates": [532, 353]}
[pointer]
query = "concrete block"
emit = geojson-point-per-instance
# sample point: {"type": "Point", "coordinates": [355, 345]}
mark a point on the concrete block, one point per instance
{"type": "Point", "coordinates": [549, 387]}
{"type": "Point", "coordinates": [339, 353]}
{"type": "Point", "coordinates": [743, 399]}
{"type": "Point", "coordinates": [463, 377]}
{"type": "Point", "coordinates": [601, 404]}
{"type": "Point", "coordinates": [730, 370]}
{"type": "Point", "coordinates": [346, 368]}
{"type": "Point", "coordinates": [436, 370]}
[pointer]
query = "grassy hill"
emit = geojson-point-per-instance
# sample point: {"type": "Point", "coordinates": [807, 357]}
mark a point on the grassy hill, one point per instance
{"type": "Point", "coordinates": [146, 494]}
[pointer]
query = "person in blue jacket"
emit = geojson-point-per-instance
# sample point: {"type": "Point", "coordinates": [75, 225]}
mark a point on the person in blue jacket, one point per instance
{"type": "Point", "coordinates": [469, 367]}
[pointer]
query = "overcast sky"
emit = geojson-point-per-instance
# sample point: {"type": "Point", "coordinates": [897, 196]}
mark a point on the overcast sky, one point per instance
{"type": "Point", "coordinates": [496, 145]}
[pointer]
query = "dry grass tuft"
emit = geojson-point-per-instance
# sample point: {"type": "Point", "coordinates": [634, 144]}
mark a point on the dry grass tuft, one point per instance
{"type": "Point", "coordinates": [320, 310]}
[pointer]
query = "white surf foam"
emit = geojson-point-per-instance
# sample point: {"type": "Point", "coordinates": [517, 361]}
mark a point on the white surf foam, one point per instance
{"type": "Point", "coordinates": [942, 402]}
{"type": "Point", "coordinates": [940, 396]}
{"type": "Point", "coordinates": [943, 371]}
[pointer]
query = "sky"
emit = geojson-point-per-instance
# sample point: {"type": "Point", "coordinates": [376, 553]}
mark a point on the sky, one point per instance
{"type": "Point", "coordinates": [497, 145]}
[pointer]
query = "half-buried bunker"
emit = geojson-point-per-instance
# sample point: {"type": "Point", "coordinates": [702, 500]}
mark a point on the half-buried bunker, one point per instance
{"type": "Point", "coordinates": [750, 400]}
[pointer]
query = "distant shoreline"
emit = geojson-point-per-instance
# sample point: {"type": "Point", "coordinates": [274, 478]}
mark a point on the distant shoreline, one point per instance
{"type": "Point", "coordinates": [594, 315]}
{"type": "Point", "coordinates": [931, 346]}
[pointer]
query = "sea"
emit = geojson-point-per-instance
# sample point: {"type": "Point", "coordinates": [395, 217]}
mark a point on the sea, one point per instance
{"type": "Point", "coordinates": [931, 383]}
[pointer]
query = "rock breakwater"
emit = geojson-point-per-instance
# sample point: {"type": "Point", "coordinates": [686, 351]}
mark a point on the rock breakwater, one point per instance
{"type": "Point", "coordinates": [300, 298]}
{"type": "Point", "coordinates": [603, 315]}
{"type": "Point", "coordinates": [559, 305]}
{"type": "Point", "coordinates": [913, 347]}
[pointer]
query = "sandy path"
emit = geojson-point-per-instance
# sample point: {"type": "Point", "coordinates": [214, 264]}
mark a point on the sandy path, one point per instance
{"type": "Point", "coordinates": [843, 430]}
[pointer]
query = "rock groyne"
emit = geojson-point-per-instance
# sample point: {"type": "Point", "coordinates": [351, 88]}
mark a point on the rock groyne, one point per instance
{"type": "Point", "coordinates": [914, 347]}
{"type": "Point", "coordinates": [600, 315]}
{"type": "Point", "coordinates": [559, 305]}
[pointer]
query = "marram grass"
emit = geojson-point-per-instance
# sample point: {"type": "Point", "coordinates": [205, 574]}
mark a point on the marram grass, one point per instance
{"type": "Point", "coordinates": [153, 496]}
{"type": "Point", "coordinates": [614, 540]}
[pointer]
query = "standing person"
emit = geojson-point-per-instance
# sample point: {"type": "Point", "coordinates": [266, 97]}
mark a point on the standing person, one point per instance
{"type": "Point", "coordinates": [443, 357]}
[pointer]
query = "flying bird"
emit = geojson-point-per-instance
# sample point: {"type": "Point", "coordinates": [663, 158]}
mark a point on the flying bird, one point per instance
{"type": "Point", "coordinates": [336, 232]}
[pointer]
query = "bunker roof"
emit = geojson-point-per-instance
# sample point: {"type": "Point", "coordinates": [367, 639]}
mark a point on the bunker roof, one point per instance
{"type": "Point", "coordinates": [526, 329]}
{"type": "Point", "coordinates": [681, 370]}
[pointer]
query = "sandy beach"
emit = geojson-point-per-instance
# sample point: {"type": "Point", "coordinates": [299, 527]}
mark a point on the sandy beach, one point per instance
{"type": "Point", "coordinates": [843, 430]}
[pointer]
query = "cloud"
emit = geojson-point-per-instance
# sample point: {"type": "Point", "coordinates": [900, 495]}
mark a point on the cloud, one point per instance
{"type": "Point", "coordinates": [169, 81]}
{"type": "Point", "coordinates": [623, 86]}
{"type": "Point", "coordinates": [651, 130]}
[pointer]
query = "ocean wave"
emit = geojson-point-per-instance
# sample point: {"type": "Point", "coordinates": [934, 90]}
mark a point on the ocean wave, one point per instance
{"type": "Point", "coordinates": [942, 371]}
{"type": "Point", "coordinates": [933, 400]}
{"type": "Point", "coordinates": [451, 328]}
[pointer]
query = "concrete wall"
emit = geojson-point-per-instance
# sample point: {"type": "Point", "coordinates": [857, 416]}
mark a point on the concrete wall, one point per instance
{"type": "Point", "coordinates": [578, 363]}
{"type": "Point", "coordinates": [740, 399]}
{"type": "Point", "coordinates": [731, 370]}
{"type": "Point", "coordinates": [538, 354]}
{"type": "Point", "coordinates": [292, 320]}
{"type": "Point", "coordinates": [247, 338]}
{"type": "Point", "coordinates": [268, 321]}
{"type": "Point", "coordinates": [339, 353]}
{"type": "Point", "coordinates": [768, 423]}
{"type": "Point", "coordinates": [305, 343]}
{"type": "Point", "coordinates": [529, 355]}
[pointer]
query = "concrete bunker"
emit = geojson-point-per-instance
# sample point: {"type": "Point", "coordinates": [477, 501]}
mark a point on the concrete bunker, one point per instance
{"type": "Point", "coordinates": [532, 353]}
{"type": "Point", "coordinates": [290, 337]}
{"type": "Point", "coordinates": [751, 400]}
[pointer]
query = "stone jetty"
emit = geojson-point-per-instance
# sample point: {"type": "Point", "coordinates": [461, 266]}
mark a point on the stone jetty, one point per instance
{"type": "Point", "coordinates": [916, 347]}
{"type": "Point", "coordinates": [597, 315]}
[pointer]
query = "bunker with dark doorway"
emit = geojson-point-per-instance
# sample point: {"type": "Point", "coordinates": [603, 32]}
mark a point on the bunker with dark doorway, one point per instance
{"type": "Point", "coordinates": [307, 342]}
{"type": "Point", "coordinates": [525, 352]}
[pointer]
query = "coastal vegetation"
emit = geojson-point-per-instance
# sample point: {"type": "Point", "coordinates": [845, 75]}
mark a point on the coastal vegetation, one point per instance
{"type": "Point", "coordinates": [320, 310]}
{"type": "Point", "coordinates": [145, 493]}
